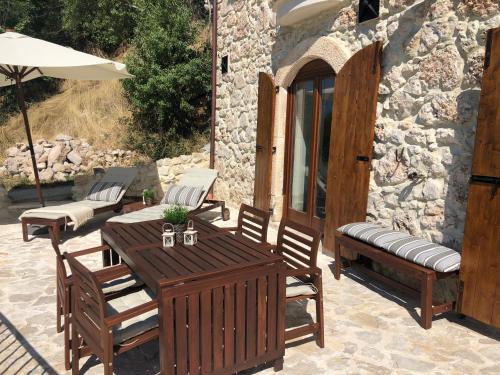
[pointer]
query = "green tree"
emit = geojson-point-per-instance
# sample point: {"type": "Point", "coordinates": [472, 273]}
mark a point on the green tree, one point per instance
{"type": "Point", "coordinates": [104, 24]}
{"type": "Point", "coordinates": [171, 89]}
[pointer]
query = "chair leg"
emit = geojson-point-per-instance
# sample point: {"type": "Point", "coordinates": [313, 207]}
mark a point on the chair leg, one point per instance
{"type": "Point", "coordinates": [75, 367]}
{"type": "Point", "coordinates": [426, 302]}
{"type": "Point", "coordinates": [57, 233]}
{"type": "Point", "coordinates": [58, 311]}
{"type": "Point", "coordinates": [338, 261]}
{"type": "Point", "coordinates": [25, 230]}
{"type": "Point", "coordinates": [320, 336]}
{"type": "Point", "coordinates": [107, 359]}
{"type": "Point", "coordinates": [67, 343]}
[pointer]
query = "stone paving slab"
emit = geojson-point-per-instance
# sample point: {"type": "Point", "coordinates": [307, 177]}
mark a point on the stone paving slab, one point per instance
{"type": "Point", "coordinates": [368, 329]}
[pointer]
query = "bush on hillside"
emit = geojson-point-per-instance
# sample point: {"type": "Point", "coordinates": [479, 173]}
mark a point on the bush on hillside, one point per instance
{"type": "Point", "coordinates": [171, 89]}
{"type": "Point", "coordinates": [101, 24]}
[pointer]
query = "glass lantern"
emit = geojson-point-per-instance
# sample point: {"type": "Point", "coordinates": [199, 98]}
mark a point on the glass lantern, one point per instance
{"type": "Point", "coordinates": [190, 235]}
{"type": "Point", "coordinates": [168, 235]}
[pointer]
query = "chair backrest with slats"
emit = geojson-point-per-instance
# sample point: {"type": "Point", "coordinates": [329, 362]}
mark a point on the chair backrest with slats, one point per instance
{"type": "Point", "coordinates": [88, 303]}
{"type": "Point", "coordinates": [253, 223]}
{"type": "Point", "coordinates": [297, 244]}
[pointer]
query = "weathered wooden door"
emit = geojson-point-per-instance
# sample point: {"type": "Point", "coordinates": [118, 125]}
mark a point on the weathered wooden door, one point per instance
{"type": "Point", "coordinates": [351, 142]}
{"type": "Point", "coordinates": [480, 269]}
{"type": "Point", "coordinates": [264, 142]}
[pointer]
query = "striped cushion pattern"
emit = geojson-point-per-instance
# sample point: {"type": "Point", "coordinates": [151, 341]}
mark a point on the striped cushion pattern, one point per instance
{"type": "Point", "coordinates": [357, 230]}
{"type": "Point", "coordinates": [425, 253]}
{"type": "Point", "coordinates": [373, 234]}
{"type": "Point", "coordinates": [105, 191]}
{"type": "Point", "coordinates": [182, 195]}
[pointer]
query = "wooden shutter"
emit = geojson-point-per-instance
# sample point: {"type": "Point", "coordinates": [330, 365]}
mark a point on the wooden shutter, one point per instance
{"type": "Point", "coordinates": [351, 143]}
{"type": "Point", "coordinates": [480, 269]}
{"type": "Point", "coordinates": [486, 160]}
{"type": "Point", "coordinates": [264, 143]}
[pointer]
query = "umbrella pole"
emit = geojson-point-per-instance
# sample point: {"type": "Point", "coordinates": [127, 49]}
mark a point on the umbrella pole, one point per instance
{"type": "Point", "coordinates": [22, 107]}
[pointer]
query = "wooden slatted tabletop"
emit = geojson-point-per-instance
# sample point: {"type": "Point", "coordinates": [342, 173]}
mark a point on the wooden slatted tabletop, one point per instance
{"type": "Point", "coordinates": [217, 252]}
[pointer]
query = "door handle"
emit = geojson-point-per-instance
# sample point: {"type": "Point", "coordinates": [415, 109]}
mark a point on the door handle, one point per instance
{"type": "Point", "coordinates": [364, 159]}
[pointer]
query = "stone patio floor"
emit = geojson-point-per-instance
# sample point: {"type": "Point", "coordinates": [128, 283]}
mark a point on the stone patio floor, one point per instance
{"type": "Point", "coordinates": [368, 329]}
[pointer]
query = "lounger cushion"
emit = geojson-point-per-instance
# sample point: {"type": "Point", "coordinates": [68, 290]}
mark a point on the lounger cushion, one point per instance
{"type": "Point", "coordinates": [425, 253]}
{"type": "Point", "coordinates": [105, 191]}
{"type": "Point", "coordinates": [182, 195]}
{"type": "Point", "coordinates": [296, 287]}
{"type": "Point", "coordinates": [137, 325]}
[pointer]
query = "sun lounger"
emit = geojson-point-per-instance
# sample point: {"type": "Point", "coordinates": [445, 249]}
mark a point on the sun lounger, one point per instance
{"type": "Point", "coordinates": [194, 177]}
{"type": "Point", "coordinates": [76, 214]}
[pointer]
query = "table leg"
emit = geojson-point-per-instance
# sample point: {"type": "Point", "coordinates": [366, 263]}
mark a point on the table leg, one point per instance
{"type": "Point", "coordinates": [278, 364]}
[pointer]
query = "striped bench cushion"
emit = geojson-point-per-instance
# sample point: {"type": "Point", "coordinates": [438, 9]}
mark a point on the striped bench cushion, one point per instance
{"type": "Point", "coordinates": [373, 234]}
{"type": "Point", "coordinates": [186, 196]}
{"type": "Point", "coordinates": [105, 191]}
{"type": "Point", "coordinates": [404, 245]}
{"type": "Point", "coordinates": [425, 253]}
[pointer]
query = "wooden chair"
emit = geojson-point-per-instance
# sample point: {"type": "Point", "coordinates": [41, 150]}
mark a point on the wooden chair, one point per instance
{"type": "Point", "coordinates": [298, 245]}
{"type": "Point", "coordinates": [107, 327]}
{"type": "Point", "coordinates": [121, 281]}
{"type": "Point", "coordinates": [252, 224]}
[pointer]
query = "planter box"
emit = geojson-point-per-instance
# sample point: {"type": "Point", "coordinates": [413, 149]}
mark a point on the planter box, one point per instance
{"type": "Point", "coordinates": [59, 192]}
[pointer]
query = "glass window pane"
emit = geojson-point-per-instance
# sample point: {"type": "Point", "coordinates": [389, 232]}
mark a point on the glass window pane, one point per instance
{"type": "Point", "coordinates": [325, 124]}
{"type": "Point", "coordinates": [302, 133]}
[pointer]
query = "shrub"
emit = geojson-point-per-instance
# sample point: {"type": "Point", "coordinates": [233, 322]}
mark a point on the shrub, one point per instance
{"type": "Point", "coordinates": [171, 89]}
{"type": "Point", "coordinates": [175, 215]}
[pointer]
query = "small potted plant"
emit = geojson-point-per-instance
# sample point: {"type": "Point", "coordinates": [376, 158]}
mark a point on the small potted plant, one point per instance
{"type": "Point", "coordinates": [148, 197]}
{"type": "Point", "coordinates": [178, 217]}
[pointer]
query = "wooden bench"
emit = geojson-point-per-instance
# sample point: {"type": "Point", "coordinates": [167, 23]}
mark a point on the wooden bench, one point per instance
{"type": "Point", "coordinates": [426, 276]}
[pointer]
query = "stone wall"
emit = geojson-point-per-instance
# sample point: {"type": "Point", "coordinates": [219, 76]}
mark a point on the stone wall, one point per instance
{"type": "Point", "coordinates": [427, 110]}
{"type": "Point", "coordinates": [62, 159]}
{"type": "Point", "coordinates": [156, 176]}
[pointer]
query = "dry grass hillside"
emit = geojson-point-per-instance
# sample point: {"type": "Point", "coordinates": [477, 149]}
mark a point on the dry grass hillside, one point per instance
{"type": "Point", "coordinates": [94, 110]}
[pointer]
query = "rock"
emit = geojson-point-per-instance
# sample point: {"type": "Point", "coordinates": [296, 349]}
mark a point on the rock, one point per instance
{"type": "Point", "coordinates": [11, 152]}
{"type": "Point", "coordinates": [43, 158]}
{"type": "Point", "coordinates": [58, 167]}
{"type": "Point", "coordinates": [46, 175]}
{"type": "Point", "coordinates": [63, 138]}
{"type": "Point", "coordinates": [41, 166]}
{"type": "Point", "coordinates": [442, 69]}
{"type": "Point", "coordinates": [74, 157]}
{"type": "Point", "coordinates": [441, 109]}
{"type": "Point", "coordinates": [54, 154]}
{"type": "Point", "coordinates": [38, 149]}
{"type": "Point", "coordinates": [432, 189]}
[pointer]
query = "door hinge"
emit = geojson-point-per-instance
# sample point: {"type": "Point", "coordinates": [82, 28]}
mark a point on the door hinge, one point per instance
{"type": "Point", "coordinates": [259, 148]}
{"type": "Point", "coordinates": [274, 150]}
{"type": "Point", "coordinates": [277, 89]}
{"type": "Point", "coordinates": [362, 158]}
{"type": "Point", "coordinates": [271, 211]}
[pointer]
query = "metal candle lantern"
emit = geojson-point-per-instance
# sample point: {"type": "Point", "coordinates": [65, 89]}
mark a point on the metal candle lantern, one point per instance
{"type": "Point", "coordinates": [168, 235]}
{"type": "Point", "coordinates": [190, 235]}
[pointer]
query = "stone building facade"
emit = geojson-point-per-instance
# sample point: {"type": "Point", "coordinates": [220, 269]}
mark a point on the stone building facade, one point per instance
{"type": "Point", "coordinates": [427, 105]}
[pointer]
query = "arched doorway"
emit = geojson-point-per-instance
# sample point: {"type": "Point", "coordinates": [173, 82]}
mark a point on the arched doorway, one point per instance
{"type": "Point", "coordinates": [309, 123]}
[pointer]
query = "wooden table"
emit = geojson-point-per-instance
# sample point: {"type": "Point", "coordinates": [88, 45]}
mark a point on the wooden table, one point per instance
{"type": "Point", "coordinates": [221, 302]}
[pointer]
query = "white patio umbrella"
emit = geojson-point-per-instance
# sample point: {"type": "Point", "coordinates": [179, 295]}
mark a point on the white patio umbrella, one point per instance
{"type": "Point", "coordinates": [23, 58]}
